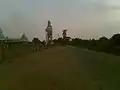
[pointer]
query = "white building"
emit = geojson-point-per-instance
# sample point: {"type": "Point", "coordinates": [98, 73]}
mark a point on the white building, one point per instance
{"type": "Point", "coordinates": [23, 38]}
{"type": "Point", "coordinates": [1, 35]}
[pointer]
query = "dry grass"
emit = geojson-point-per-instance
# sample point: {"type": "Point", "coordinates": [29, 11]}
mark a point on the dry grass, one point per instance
{"type": "Point", "coordinates": [16, 51]}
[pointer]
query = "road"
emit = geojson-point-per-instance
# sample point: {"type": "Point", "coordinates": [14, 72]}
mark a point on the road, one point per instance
{"type": "Point", "coordinates": [62, 68]}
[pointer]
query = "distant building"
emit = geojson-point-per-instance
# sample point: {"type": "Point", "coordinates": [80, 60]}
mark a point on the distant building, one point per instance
{"type": "Point", "coordinates": [23, 38]}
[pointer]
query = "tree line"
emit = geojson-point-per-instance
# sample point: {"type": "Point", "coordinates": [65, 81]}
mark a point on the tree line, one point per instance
{"type": "Point", "coordinates": [103, 44]}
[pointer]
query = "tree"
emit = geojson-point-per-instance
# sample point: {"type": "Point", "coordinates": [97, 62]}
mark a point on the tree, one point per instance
{"type": "Point", "coordinates": [103, 39]}
{"type": "Point", "coordinates": [36, 40]}
{"type": "Point", "coordinates": [115, 39]}
{"type": "Point", "coordinates": [36, 43]}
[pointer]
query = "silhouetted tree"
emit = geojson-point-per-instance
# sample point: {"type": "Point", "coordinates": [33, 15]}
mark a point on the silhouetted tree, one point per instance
{"type": "Point", "coordinates": [103, 44]}
{"type": "Point", "coordinates": [76, 41]}
{"type": "Point", "coordinates": [60, 40]}
{"type": "Point", "coordinates": [55, 41]}
{"type": "Point", "coordinates": [103, 39]}
{"type": "Point", "coordinates": [36, 43]}
{"type": "Point", "coordinates": [115, 39]}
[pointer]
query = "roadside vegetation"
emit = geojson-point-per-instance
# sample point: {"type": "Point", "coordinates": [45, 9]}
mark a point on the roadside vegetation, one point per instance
{"type": "Point", "coordinates": [103, 44]}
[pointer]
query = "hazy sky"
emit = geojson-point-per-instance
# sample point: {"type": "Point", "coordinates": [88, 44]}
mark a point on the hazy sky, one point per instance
{"type": "Point", "coordinates": [82, 18]}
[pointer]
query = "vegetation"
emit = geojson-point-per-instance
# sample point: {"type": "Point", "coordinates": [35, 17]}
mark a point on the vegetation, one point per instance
{"type": "Point", "coordinates": [103, 44]}
{"type": "Point", "coordinates": [17, 50]}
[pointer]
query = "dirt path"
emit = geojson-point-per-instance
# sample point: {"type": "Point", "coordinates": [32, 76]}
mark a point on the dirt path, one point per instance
{"type": "Point", "coordinates": [52, 69]}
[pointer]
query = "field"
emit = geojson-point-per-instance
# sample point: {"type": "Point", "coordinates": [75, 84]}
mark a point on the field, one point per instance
{"type": "Point", "coordinates": [61, 68]}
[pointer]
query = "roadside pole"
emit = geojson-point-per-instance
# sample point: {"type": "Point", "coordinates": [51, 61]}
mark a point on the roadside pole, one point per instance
{"type": "Point", "coordinates": [2, 51]}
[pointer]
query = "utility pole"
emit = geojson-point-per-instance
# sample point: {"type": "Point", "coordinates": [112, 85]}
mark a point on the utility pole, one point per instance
{"type": "Point", "coordinates": [2, 38]}
{"type": "Point", "coordinates": [2, 51]}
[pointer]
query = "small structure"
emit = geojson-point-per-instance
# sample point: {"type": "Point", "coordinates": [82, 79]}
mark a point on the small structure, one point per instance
{"type": "Point", "coordinates": [36, 44]}
{"type": "Point", "coordinates": [48, 31]}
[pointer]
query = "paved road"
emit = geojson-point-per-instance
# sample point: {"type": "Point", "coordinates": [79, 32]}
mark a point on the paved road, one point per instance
{"type": "Point", "coordinates": [62, 68]}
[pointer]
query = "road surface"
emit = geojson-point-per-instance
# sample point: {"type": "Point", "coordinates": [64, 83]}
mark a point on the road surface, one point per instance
{"type": "Point", "coordinates": [62, 68]}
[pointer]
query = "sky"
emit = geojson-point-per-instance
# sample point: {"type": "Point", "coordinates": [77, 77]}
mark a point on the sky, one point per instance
{"type": "Point", "coordinates": [82, 18]}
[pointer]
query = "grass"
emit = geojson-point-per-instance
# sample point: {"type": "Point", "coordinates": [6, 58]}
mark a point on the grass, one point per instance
{"type": "Point", "coordinates": [16, 50]}
{"type": "Point", "coordinates": [102, 67]}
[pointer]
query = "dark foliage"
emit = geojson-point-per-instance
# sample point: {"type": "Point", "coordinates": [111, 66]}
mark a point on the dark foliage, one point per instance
{"type": "Point", "coordinates": [36, 41]}
{"type": "Point", "coordinates": [115, 39]}
{"type": "Point", "coordinates": [103, 44]}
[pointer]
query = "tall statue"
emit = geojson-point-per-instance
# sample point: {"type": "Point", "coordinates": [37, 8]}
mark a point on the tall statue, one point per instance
{"type": "Point", "coordinates": [49, 33]}
{"type": "Point", "coordinates": [64, 34]}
